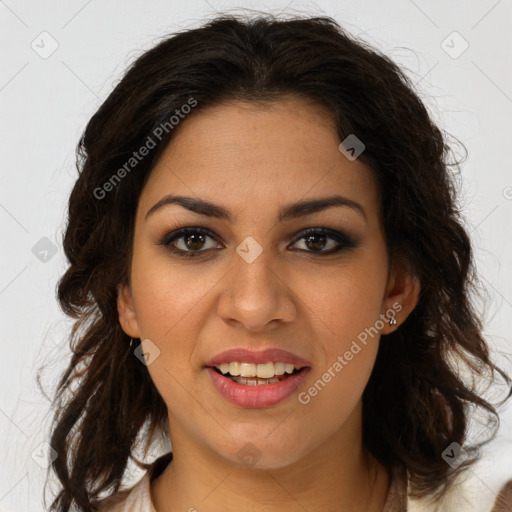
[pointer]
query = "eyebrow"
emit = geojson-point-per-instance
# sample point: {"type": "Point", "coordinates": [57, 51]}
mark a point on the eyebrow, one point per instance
{"type": "Point", "coordinates": [288, 212]}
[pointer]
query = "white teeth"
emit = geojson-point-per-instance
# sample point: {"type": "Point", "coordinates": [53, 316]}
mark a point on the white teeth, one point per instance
{"type": "Point", "coordinates": [279, 368]}
{"type": "Point", "coordinates": [255, 382]}
{"type": "Point", "coordinates": [288, 368]}
{"type": "Point", "coordinates": [234, 368]}
{"type": "Point", "coordinates": [247, 369]}
{"type": "Point", "coordinates": [265, 370]}
{"type": "Point", "coordinates": [261, 370]}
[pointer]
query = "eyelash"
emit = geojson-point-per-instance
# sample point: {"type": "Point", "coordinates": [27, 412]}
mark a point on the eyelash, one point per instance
{"type": "Point", "coordinates": [345, 241]}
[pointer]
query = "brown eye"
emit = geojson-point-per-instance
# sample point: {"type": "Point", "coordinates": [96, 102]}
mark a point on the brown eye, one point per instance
{"type": "Point", "coordinates": [188, 241]}
{"type": "Point", "coordinates": [317, 240]}
{"type": "Point", "coordinates": [192, 241]}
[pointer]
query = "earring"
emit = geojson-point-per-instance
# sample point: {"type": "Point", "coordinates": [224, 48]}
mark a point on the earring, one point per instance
{"type": "Point", "coordinates": [131, 342]}
{"type": "Point", "coordinates": [392, 320]}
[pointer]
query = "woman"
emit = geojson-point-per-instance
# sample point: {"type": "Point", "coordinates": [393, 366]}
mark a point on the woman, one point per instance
{"type": "Point", "coordinates": [268, 264]}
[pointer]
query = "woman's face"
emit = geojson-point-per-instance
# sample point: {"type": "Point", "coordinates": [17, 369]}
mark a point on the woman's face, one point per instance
{"type": "Point", "coordinates": [253, 281]}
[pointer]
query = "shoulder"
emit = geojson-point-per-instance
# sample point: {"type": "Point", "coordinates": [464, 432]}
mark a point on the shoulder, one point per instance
{"type": "Point", "coordinates": [486, 486]}
{"type": "Point", "coordinates": [475, 492]}
{"type": "Point", "coordinates": [113, 503]}
{"type": "Point", "coordinates": [136, 499]}
{"type": "Point", "coordinates": [468, 496]}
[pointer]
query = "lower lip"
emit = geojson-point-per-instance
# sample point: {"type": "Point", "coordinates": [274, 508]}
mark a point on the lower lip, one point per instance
{"type": "Point", "coordinates": [263, 395]}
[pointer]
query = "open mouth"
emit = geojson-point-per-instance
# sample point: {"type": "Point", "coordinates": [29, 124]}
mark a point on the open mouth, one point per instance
{"type": "Point", "coordinates": [258, 381]}
{"type": "Point", "coordinates": [257, 385]}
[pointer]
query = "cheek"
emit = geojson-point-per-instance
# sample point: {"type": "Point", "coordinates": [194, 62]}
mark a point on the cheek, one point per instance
{"type": "Point", "coordinates": [345, 302]}
{"type": "Point", "coordinates": [345, 311]}
{"type": "Point", "coordinates": [168, 295]}
{"type": "Point", "coordinates": [169, 305]}
{"type": "Point", "coordinates": [335, 387]}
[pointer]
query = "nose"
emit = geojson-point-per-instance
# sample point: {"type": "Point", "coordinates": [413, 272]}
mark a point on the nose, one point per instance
{"type": "Point", "coordinates": [256, 295]}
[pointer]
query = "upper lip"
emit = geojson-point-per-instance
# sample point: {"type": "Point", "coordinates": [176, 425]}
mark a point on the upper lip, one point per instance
{"type": "Point", "coordinates": [267, 355]}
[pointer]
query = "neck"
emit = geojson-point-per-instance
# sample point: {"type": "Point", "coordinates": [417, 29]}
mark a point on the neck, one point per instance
{"type": "Point", "coordinates": [337, 472]}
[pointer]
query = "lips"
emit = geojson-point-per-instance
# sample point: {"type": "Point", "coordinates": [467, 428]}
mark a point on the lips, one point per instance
{"type": "Point", "coordinates": [259, 396]}
{"type": "Point", "coordinates": [260, 356]}
{"type": "Point", "coordinates": [258, 393]}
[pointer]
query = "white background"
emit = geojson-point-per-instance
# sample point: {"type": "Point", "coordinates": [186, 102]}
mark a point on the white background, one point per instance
{"type": "Point", "coordinates": [46, 103]}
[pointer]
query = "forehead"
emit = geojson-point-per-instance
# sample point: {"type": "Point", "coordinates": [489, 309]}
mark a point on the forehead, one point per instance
{"type": "Point", "coordinates": [264, 153]}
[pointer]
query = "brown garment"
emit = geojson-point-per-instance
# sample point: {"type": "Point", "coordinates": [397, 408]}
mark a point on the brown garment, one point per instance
{"type": "Point", "coordinates": [503, 501]}
{"type": "Point", "coordinates": [396, 500]}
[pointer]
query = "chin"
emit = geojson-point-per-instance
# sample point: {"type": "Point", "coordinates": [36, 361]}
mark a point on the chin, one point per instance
{"type": "Point", "coordinates": [253, 455]}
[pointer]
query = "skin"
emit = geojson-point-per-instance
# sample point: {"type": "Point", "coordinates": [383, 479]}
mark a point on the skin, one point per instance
{"type": "Point", "coordinates": [253, 159]}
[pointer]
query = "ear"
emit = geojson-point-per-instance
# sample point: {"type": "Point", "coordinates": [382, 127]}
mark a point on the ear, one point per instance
{"type": "Point", "coordinates": [126, 311]}
{"type": "Point", "coordinates": [401, 297]}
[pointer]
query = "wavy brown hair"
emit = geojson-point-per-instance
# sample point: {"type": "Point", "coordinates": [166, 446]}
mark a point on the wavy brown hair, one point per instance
{"type": "Point", "coordinates": [416, 402]}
